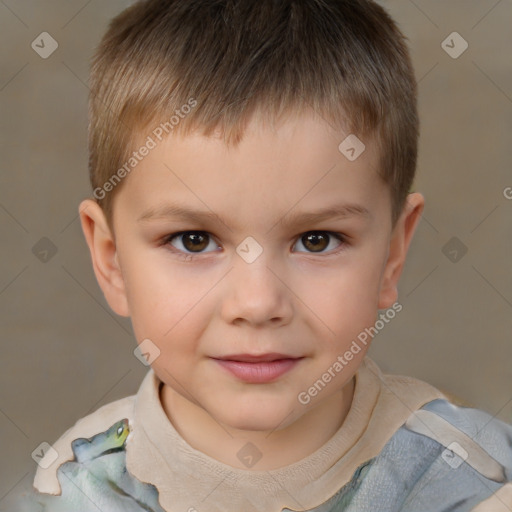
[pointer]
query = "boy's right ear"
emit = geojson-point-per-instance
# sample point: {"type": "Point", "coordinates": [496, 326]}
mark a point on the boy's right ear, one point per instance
{"type": "Point", "coordinates": [103, 250]}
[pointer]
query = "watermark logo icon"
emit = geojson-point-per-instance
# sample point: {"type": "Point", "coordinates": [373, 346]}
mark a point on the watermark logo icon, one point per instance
{"type": "Point", "coordinates": [454, 249]}
{"type": "Point", "coordinates": [454, 45]}
{"type": "Point", "coordinates": [146, 352]}
{"type": "Point", "coordinates": [44, 45]}
{"type": "Point", "coordinates": [45, 455]}
{"type": "Point", "coordinates": [44, 249]}
{"type": "Point", "coordinates": [454, 455]}
{"type": "Point", "coordinates": [249, 249]}
{"type": "Point", "coordinates": [249, 455]}
{"type": "Point", "coordinates": [351, 147]}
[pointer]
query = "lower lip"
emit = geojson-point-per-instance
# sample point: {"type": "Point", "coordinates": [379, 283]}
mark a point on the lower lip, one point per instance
{"type": "Point", "coordinates": [258, 372]}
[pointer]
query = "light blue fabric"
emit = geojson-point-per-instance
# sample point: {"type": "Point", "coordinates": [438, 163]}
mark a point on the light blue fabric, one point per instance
{"type": "Point", "coordinates": [411, 474]}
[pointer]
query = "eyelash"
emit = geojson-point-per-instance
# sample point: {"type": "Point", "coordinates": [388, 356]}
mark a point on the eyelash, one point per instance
{"type": "Point", "coordinates": [191, 255]}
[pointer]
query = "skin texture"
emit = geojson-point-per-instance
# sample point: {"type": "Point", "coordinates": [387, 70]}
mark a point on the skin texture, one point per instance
{"type": "Point", "coordinates": [302, 299]}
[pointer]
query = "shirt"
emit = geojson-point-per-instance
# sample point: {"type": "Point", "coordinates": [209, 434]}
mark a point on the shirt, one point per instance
{"type": "Point", "coordinates": [402, 447]}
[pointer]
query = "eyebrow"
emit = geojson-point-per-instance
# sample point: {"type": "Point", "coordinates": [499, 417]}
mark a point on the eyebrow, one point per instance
{"type": "Point", "coordinates": [179, 212]}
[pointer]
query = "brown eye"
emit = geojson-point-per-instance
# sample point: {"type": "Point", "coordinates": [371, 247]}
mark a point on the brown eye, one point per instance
{"type": "Point", "coordinates": [191, 241]}
{"type": "Point", "coordinates": [315, 241]}
{"type": "Point", "coordinates": [194, 241]}
{"type": "Point", "coordinates": [318, 241]}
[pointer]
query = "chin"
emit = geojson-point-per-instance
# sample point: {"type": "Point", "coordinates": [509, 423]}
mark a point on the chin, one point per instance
{"type": "Point", "coordinates": [255, 418]}
{"type": "Point", "coordinates": [253, 425]}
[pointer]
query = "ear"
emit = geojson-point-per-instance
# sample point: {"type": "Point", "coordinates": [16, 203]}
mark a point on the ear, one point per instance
{"type": "Point", "coordinates": [399, 244]}
{"type": "Point", "coordinates": [103, 251]}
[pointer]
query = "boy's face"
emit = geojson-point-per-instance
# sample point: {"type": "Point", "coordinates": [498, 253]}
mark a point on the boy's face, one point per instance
{"type": "Point", "coordinates": [207, 296]}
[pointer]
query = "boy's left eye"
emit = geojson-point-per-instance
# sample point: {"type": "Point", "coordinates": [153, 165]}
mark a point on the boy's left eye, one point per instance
{"type": "Point", "coordinates": [317, 240]}
{"type": "Point", "coordinates": [197, 241]}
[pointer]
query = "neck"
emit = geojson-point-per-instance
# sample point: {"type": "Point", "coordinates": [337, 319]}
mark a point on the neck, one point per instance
{"type": "Point", "coordinates": [281, 447]}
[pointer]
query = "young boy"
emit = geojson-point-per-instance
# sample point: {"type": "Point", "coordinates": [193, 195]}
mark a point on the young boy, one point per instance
{"type": "Point", "coordinates": [251, 162]}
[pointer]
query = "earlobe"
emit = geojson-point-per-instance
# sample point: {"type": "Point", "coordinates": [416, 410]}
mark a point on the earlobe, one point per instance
{"type": "Point", "coordinates": [104, 255]}
{"type": "Point", "coordinates": [398, 247]}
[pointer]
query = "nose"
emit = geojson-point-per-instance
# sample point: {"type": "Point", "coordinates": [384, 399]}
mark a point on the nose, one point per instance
{"type": "Point", "coordinates": [257, 293]}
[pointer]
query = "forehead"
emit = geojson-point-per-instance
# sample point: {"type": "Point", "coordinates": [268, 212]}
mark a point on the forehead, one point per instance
{"type": "Point", "coordinates": [297, 164]}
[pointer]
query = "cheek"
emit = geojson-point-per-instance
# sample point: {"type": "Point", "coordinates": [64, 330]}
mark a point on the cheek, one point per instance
{"type": "Point", "coordinates": [153, 297]}
{"type": "Point", "coordinates": [167, 306]}
{"type": "Point", "coordinates": [343, 301]}
{"type": "Point", "coordinates": [348, 289]}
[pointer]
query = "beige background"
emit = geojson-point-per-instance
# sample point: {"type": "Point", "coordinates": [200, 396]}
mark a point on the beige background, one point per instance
{"type": "Point", "coordinates": [64, 353]}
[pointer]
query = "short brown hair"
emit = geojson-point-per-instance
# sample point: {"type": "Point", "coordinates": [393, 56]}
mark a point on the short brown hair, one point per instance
{"type": "Point", "coordinates": [346, 59]}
